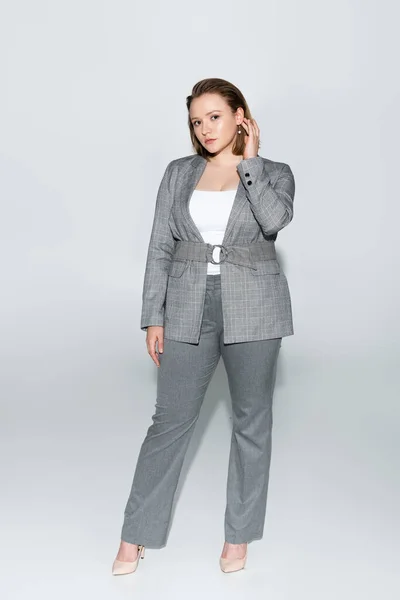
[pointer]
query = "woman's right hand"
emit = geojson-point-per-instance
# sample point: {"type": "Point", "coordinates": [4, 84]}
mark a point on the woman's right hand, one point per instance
{"type": "Point", "coordinates": [155, 333]}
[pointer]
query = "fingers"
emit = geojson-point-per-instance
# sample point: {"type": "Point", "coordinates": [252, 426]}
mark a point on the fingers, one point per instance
{"type": "Point", "coordinates": [253, 135]}
{"type": "Point", "coordinates": [151, 347]}
{"type": "Point", "coordinates": [256, 128]}
{"type": "Point", "coordinates": [245, 126]}
{"type": "Point", "coordinates": [251, 127]}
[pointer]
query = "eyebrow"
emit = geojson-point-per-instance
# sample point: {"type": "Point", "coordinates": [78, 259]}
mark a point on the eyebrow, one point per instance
{"type": "Point", "coordinates": [209, 113]}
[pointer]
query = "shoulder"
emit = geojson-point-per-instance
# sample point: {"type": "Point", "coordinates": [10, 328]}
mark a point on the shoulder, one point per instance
{"type": "Point", "coordinates": [180, 166]}
{"type": "Point", "coordinates": [184, 162]}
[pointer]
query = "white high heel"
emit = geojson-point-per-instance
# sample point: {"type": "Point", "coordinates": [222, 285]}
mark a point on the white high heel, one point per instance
{"type": "Point", "coordinates": [229, 565]}
{"type": "Point", "coordinates": [122, 567]}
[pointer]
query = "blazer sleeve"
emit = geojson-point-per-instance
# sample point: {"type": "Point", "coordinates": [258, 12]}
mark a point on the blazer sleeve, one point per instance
{"type": "Point", "coordinates": [272, 205]}
{"type": "Point", "coordinates": [160, 252]}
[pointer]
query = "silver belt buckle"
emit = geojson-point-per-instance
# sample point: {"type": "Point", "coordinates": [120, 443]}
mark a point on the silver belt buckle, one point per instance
{"type": "Point", "coordinates": [224, 253]}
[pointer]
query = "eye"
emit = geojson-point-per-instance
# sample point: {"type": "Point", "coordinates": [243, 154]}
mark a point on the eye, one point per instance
{"type": "Point", "coordinates": [216, 116]}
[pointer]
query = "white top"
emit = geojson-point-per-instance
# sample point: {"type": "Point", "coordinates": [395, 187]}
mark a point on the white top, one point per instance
{"type": "Point", "coordinates": [210, 212]}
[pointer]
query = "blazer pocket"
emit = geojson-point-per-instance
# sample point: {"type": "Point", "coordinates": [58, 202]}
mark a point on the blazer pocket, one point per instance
{"type": "Point", "coordinates": [177, 268]}
{"type": "Point", "coordinates": [266, 267]}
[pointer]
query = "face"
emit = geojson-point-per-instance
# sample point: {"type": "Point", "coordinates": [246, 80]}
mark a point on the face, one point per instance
{"type": "Point", "coordinates": [212, 118]}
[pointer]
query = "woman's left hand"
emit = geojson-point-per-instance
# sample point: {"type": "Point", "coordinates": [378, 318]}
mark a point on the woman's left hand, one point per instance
{"type": "Point", "coordinates": [252, 139]}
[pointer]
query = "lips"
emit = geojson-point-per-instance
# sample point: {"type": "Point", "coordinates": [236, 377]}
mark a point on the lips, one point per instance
{"type": "Point", "coordinates": [210, 141]}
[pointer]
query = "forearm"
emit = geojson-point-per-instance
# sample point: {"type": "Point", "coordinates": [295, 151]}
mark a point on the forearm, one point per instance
{"type": "Point", "coordinates": [272, 205]}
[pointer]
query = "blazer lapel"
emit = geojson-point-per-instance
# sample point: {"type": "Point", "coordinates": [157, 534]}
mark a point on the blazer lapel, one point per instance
{"type": "Point", "coordinates": [189, 181]}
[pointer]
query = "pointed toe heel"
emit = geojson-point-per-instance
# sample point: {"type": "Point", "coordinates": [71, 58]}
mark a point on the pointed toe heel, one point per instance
{"type": "Point", "coordinates": [230, 565]}
{"type": "Point", "coordinates": [121, 567]}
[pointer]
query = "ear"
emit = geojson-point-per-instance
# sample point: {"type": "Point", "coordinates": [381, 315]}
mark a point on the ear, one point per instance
{"type": "Point", "coordinates": [239, 115]}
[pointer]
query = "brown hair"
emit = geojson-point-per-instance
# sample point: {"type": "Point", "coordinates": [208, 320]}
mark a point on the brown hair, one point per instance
{"type": "Point", "coordinates": [234, 99]}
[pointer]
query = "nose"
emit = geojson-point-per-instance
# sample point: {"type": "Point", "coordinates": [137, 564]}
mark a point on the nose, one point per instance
{"type": "Point", "coordinates": [205, 129]}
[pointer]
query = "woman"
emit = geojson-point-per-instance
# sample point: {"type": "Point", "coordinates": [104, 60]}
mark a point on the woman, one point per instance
{"type": "Point", "coordinates": [212, 287]}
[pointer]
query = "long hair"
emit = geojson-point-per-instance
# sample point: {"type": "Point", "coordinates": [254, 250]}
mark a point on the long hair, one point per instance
{"type": "Point", "coordinates": [234, 99]}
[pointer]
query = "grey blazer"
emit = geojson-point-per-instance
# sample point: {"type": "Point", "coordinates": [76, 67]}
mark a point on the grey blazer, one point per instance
{"type": "Point", "coordinates": [255, 296]}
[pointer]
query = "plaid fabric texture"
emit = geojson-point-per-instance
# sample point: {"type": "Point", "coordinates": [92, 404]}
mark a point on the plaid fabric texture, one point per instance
{"type": "Point", "coordinates": [256, 303]}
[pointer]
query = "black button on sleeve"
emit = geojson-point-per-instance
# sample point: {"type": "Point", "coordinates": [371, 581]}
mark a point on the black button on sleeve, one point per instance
{"type": "Point", "coordinates": [249, 182]}
{"type": "Point", "coordinates": [247, 174]}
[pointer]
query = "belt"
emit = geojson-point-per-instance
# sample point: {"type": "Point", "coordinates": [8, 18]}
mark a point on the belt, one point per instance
{"type": "Point", "coordinates": [238, 255]}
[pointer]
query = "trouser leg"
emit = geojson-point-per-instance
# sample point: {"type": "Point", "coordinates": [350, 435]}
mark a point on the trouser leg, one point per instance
{"type": "Point", "coordinates": [183, 377]}
{"type": "Point", "coordinates": [251, 370]}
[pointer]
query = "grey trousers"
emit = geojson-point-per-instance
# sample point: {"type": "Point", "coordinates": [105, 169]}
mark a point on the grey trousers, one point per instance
{"type": "Point", "coordinates": [183, 376]}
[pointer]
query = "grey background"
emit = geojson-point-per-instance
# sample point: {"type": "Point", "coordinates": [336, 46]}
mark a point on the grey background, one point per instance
{"type": "Point", "coordinates": [93, 93]}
